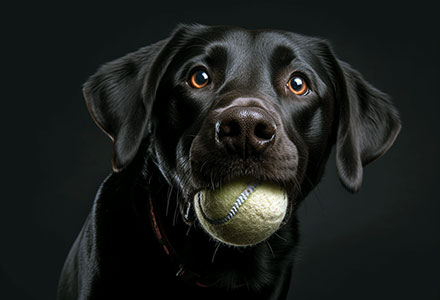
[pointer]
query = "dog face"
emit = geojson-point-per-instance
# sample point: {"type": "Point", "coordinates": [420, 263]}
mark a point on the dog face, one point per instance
{"type": "Point", "coordinates": [216, 103]}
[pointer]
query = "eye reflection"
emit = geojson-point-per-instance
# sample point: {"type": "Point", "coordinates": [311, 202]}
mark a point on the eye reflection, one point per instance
{"type": "Point", "coordinates": [297, 85]}
{"type": "Point", "coordinates": [199, 79]}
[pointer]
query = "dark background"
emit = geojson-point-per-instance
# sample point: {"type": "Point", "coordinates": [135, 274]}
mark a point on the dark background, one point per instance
{"type": "Point", "coordinates": [382, 243]}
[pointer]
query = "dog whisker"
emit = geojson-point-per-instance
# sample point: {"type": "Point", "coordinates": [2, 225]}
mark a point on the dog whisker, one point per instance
{"type": "Point", "coordinates": [201, 168]}
{"type": "Point", "coordinates": [270, 248]}
{"type": "Point", "coordinates": [170, 191]}
{"type": "Point", "coordinates": [189, 228]}
{"type": "Point", "coordinates": [176, 209]}
{"type": "Point", "coordinates": [215, 252]}
{"type": "Point", "coordinates": [298, 187]}
{"type": "Point", "coordinates": [284, 239]}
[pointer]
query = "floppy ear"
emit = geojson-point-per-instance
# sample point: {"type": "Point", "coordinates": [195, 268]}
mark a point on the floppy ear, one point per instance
{"type": "Point", "coordinates": [120, 94]}
{"type": "Point", "coordinates": [368, 125]}
{"type": "Point", "coordinates": [114, 98]}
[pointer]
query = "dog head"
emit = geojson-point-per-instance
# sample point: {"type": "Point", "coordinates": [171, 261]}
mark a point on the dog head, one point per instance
{"type": "Point", "coordinates": [216, 103]}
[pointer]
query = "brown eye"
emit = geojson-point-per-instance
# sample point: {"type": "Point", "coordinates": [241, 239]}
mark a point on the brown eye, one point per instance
{"type": "Point", "coordinates": [298, 86]}
{"type": "Point", "coordinates": [199, 79]}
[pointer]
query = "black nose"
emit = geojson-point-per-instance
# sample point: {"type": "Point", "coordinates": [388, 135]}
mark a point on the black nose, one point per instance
{"type": "Point", "coordinates": [245, 130]}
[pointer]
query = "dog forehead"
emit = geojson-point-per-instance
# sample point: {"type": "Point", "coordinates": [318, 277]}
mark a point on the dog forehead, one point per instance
{"type": "Point", "coordinates": [267, 44]}
{"type": "Point", "coordinates": [244, 45]}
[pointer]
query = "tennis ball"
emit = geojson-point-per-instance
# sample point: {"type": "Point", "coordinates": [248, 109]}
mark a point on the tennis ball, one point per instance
{"type": "Point", "coordinates": [241, 213]}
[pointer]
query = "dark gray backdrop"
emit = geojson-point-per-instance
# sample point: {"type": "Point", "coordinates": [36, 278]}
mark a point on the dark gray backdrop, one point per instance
{"type": "Point", "coordinates": [383, 243]}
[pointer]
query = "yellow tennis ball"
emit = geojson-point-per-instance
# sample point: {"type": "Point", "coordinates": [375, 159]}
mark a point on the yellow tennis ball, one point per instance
{"type": "Point", "coordinates": [241, 213]}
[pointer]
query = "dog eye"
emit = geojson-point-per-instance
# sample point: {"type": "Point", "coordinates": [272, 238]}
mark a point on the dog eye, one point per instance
{"type": "Point", "coordinates": [199, 79]}
{"type": "Point", "coordinates": [298, 85]}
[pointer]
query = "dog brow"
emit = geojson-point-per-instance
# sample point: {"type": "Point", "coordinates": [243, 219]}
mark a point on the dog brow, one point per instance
{"type": "Point", "coordinates": [282, 56]}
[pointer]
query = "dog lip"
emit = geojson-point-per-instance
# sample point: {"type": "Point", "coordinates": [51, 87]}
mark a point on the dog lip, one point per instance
{"type": "Point", "coordinates": [213, 186]}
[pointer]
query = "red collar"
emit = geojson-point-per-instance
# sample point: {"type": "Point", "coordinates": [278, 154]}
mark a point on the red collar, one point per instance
{"type": "Point", "coordinates": [182, 271]}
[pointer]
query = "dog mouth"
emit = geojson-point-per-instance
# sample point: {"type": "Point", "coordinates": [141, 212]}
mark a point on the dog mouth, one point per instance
{"type": "Point", "coordinates": [211, 176]}
{"type": "Point", "coordinates": [243, 211]}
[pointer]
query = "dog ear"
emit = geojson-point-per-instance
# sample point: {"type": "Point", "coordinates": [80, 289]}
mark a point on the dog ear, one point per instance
{"type": "Point", "coordinates": [368, 125]}
{"type": "Point", "coordinates": [119, 96]}
{"type": "Point", "coordinates": [114, 99]}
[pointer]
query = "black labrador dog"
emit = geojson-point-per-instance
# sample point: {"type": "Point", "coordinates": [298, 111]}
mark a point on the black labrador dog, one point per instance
{"type": "Point", "coordinates": [194, 111]}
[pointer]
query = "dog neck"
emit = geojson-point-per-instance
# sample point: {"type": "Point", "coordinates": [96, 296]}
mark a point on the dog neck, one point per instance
{"type": "Point", "coordinates": [182, 272]}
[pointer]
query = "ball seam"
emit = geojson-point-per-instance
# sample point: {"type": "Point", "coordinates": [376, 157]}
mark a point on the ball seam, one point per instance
{"type": "Point", "coordinates": [244, 195]}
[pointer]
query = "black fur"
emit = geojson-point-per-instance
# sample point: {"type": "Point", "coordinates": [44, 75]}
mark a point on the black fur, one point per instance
{"type": "Point", "coordinates": [165, 148]}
